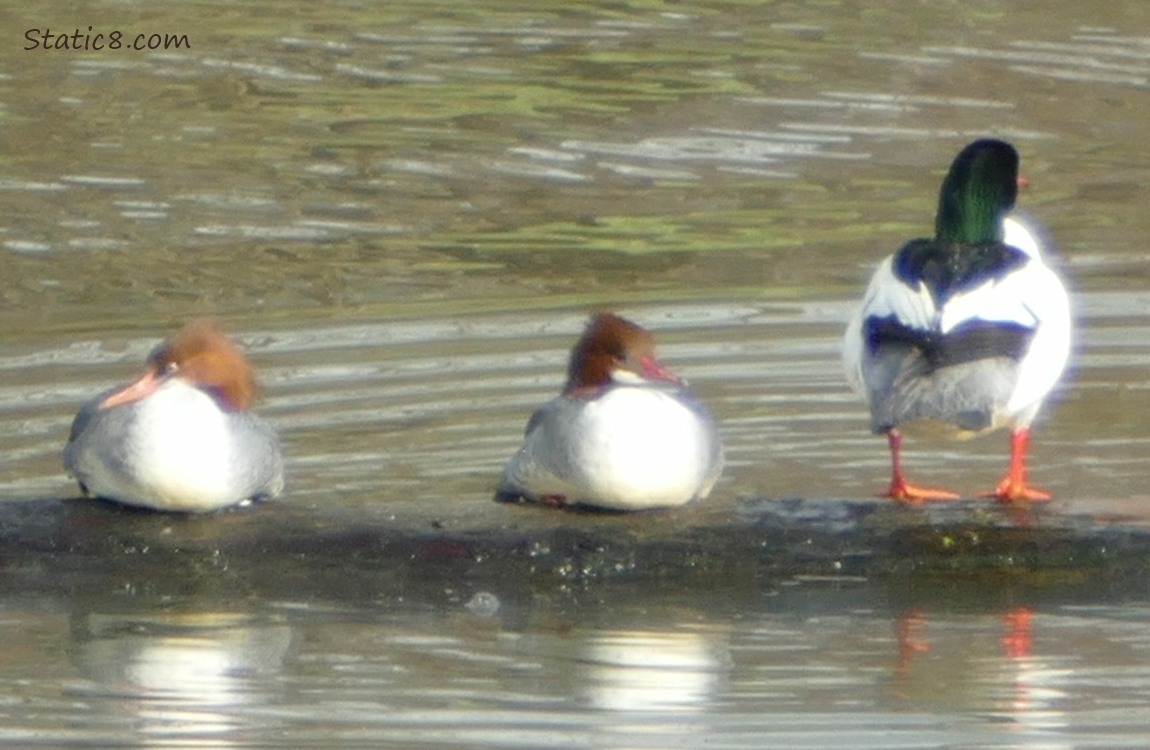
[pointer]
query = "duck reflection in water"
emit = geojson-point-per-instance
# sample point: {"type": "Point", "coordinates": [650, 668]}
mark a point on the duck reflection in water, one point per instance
{"type": "Point", "coordinates": [180, 674]}
{"type": "Point", "coordinates": [645, 670]}
{"type": "Point", "coordinates": [999, 671]}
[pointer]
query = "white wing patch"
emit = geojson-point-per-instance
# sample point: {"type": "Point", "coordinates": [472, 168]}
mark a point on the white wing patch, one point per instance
{"type": "Point", "coordinates": [887, 295]}
{"type": "Point", "coordinates": [1031, 295]}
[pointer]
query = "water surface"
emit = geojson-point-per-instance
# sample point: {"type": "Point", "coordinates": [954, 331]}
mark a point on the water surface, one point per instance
{"type": "Point", "coordinates": [405, 213]}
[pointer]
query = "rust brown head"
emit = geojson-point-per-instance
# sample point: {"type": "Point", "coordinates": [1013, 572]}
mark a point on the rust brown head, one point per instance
{"type": "Point", "coordinates": [613, 349]}
{"type": "Point", "coordinates": [201, 354]}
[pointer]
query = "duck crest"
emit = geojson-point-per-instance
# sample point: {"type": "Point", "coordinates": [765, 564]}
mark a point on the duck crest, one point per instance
{"type": "Point", "coordinates": [202, 354]}
{"type": "Point", "coordinates": [609, 343]}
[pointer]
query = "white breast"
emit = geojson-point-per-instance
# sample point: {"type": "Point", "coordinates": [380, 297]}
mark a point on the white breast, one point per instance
{"type": "Point", "coordinates": [182, 447]}
{"type": "Point", "coordinates": [641, 447]}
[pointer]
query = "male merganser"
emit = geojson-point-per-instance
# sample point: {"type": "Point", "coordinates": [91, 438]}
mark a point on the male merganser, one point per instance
{"type": "Point", "coordinates": [970, 329]}
{"type": "Point", "coordinates": [624, 435]}
{"type": "Point", "coordinates": [180, 437]}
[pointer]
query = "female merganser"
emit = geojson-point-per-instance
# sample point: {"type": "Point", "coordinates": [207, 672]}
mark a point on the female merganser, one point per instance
{"type": "Point", "coordinates": [970, 329]}
{"type": "Point", "coordinates": [624, 435]}
{"type": "Point", "coordinates": [180, 437]}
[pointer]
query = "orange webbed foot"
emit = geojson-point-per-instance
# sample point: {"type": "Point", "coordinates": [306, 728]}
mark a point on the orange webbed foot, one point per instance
{"type": "Point", "coordinates": [902, 490]}
{"type": "Point", "coordinates": [907, 493]}
{"type": "Point", "coordinates": [1010, 490]}
{"type": "Point", "coordinates": [1013, 487]}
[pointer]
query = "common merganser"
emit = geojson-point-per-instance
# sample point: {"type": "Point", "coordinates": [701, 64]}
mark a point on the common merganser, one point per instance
{"type": "Point", "coordinates": [180, 437]}
{"type": "Point", "coordinates": [970, 329]}
{"type": "Point", "coordinates": [625, 434]}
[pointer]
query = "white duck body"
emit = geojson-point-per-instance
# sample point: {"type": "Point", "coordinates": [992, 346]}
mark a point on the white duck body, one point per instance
{"type": "Point", "coordinates": [175, 450]}
{"type": "Point", "coordinates": [624, 435]}
{"type": "Point", "coordinates": [628, 447]}
{"type": "Point", "coordinates": [180, 437]}
{"type": "Point", "coordinates": [1003, 343]}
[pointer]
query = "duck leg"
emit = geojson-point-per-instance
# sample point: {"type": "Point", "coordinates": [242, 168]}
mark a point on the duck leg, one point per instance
{"type": "Point", "coordinates": [1013, 486]}
{"type": "Point", "coordinates": [902, 490]}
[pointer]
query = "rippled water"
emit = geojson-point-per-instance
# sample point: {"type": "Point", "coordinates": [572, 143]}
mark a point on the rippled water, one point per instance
{"type": "Point", "coordinates": [801, 672]}
{"type": "Point", "coordinates": [405, 213]}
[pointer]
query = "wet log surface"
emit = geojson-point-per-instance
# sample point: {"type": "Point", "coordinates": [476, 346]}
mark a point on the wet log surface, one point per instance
{"type": "Point", "coordinates": [965, 551]}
